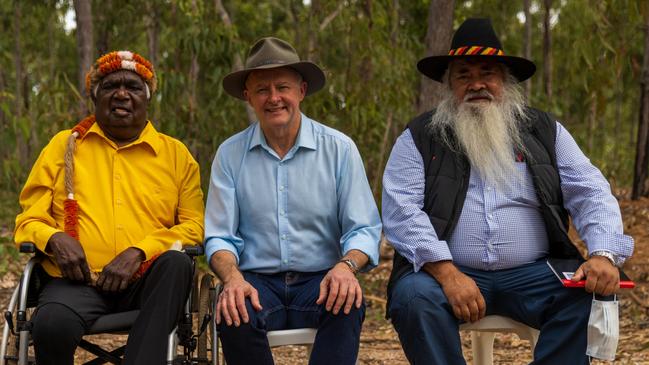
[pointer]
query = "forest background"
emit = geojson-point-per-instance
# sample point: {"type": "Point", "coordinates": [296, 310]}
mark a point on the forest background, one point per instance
{"type": "Point", "coordinates": [592, 60]}
{"type": "Point", "coordinates": [589, 56]}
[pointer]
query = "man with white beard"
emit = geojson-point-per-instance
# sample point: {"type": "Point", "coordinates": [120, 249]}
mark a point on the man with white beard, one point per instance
{"type": "Point", "coordinates": [477, 194]}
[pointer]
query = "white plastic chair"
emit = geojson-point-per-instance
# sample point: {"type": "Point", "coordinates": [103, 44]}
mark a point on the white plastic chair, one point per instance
{"type": "Point", "coordinates": [483, 332]}
{"type": "Point", "coordinates": [300, 336]}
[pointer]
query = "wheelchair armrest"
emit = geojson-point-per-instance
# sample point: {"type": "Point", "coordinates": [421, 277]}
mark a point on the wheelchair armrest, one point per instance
{"type": "Point", "coordinates": [27, 247]}
{"type": "Point", "coordinates": [194, 250]}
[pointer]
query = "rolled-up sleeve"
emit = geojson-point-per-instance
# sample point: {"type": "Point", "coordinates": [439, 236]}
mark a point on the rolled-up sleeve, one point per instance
{"type": "Point", "coordinates": [406, 226]}
{"type": "Point", "coordinates": [222, 210]}
{"type": "Point", "coordinates": [357, 211]}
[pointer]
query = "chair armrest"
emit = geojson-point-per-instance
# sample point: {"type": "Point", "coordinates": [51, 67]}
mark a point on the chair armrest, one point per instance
{"type": "Point", "coordinates": [194, 250]}
{"type": "Point", "coordinates": [27, 247]}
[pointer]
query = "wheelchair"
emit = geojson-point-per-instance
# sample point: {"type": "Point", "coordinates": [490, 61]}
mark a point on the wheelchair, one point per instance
{"type": "Point", "coordinates": [190, 343]}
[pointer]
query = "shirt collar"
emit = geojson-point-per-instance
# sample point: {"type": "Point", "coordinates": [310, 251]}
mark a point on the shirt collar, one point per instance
{"type": "Point", "coordinates": [305, 137]}
{"type": "Point", "coordinates": [149, 137]}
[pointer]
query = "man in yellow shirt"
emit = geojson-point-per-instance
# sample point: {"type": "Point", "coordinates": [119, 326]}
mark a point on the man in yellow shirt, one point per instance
{"type": "Point", "coordinates": [107, 202]}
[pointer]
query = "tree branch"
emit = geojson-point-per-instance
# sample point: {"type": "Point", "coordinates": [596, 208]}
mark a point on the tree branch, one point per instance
{"type": "Point", "coordinates": [331, 16]}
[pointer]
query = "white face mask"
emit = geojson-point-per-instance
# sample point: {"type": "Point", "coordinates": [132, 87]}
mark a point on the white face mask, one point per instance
{"type": "Point", "coordinates": [603, 329]}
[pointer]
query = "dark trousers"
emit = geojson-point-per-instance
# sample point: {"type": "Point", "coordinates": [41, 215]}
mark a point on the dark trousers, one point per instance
{"type": "Point", "coordinates": [289, 301]}
{"type": "Point", "coordinates": [67, 309]}
{"type": "Point", "coordinates": [530, 294]}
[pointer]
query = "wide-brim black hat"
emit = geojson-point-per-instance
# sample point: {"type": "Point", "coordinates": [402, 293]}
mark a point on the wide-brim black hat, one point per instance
{"type": "Point", "coordinates": [273, 52]}
{"type": "Point", "coordinates": [475, 38]}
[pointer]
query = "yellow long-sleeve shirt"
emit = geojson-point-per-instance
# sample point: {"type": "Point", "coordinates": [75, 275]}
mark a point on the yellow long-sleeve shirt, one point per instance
{"type": "Point", "coordinates": [146, 194]}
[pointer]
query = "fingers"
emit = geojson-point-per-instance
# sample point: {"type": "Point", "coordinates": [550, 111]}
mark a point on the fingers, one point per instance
{"type": "Point", "coordinates": [471, 311]}
{"type": "Point", "coordinates": [231, 305]}
{"type": "Point", "coordinates": [123, 285]}
{"type": "Point", "coordinates": [341, 299]}
{"type": "Point", "coordinates": [86, 273]}
{"type": "Point", "coordinates": [474, 311]}
{"type": "Point", "coordinates": [359, 297]}
{"type": "Point", "coordinates": [601, 276]}
{"type": "Point", "coordinates": [602, 284]}
{"type": "Point", "coordinates": [241, 308]}
{"type": "Point", "coordinates": [334, 286]}
{"type": "Point", "coordinates": [340, 290]}
{"type": "Point", "coordinates": [107, 282]}
{"type": "Point", "coordinates": [482, 307]}
{"type": "Point", "coordinates": [100, 280]}
{"type": "Point", "coordinates": [464, 297]}
{"type": "Point", "coordinates": [254, 300]}
{"type": "Point", "coordinates": [324, 290]}
{"type": "Point", "coordinates": [579, 274]}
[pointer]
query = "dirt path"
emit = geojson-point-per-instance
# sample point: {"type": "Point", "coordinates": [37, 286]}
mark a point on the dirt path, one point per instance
{"type": "Point", "coordinates": [379, 342]}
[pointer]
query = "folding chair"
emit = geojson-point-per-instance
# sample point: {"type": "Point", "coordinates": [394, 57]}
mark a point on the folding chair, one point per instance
{"type": "Point", "coordinates": [14, 348]}
{"type": "Point", "coordinates": [483, 332]}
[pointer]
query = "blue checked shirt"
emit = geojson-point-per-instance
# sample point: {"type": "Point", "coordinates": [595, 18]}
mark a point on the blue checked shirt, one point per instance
{"type": "Point", "coordinates": [498, 230]}
{"type": "Point", "coordinates": [299, 213]}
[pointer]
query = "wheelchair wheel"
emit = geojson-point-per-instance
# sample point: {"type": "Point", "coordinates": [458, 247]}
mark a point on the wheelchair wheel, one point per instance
{"type": "Point", "coordinates": [205, 305]}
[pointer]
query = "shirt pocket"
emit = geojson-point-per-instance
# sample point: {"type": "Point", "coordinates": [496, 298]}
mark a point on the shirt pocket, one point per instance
{"type": "Point", "coordinates": [522, 187]}
{"type": "Point", "coordinates": [159, 205]}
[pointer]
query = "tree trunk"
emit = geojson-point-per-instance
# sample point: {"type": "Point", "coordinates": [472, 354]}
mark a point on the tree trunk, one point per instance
{"type": "Point", "coordinates": [617, 133]}
{"type": "Point", "coordinates": [547, 52]}
{"type": "Point", "coordinates": [642, 145]}
{"type": "Point", "coordinates": [294, 14]}
{"type": "Point", "coordinates": [194, 69]}
{"type": "Point", "coordinates": [527, 46]}
{"type": "Point", "coordinates": [313, 19]}
{"type": "Point", "coordinates": [366, 66]}
{"type": "Point", "coordinates": [438, 40]}
{"type": "Point", "coordinates": [152, 31]}
{"type": "Point", "coordinates": [237, 62]}
{"type": "Point", "coordinates": [104, 23]}
{"type": "Point", "coordinates": [83, 11]}
{"type": "Point", "coordinates": [318, 28]}
{"type": "Point", "coordinates": [394, 37]}
{"type": "Point", "coordinates": [3, 86]}
{"type": "Point", "coordinates": [21, 138]}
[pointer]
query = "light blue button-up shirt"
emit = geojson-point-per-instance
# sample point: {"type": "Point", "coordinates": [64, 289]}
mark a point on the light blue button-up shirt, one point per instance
{"type": "Point", "coordinates": [498, 229]}
{"type": "Point", "coordinates": [300, 213]}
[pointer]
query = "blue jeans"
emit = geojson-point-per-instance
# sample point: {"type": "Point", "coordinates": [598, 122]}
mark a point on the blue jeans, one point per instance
{"type": "Point", "coordinates": [289, 301]}
{"type": "Point", "coordinates": [530, 294]}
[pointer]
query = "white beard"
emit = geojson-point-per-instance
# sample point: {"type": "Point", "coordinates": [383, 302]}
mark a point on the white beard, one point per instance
{"type": "Point", "coordinates": [488, 133]}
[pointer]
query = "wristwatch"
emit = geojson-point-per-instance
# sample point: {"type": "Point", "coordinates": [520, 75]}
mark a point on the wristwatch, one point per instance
{"type": "Point", "coordinates": [351, 264]}
{"type": "Point", "coordinates": [609, 255]}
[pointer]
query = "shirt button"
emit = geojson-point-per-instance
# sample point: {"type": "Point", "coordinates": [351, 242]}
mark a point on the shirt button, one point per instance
{"type": "Point", "coordinates": [119, 226]}
{"type": "Point", "coordinates": [286, 261]}
{"type": "Point", "coordinates": [118, 202]}
{"type": "Point", "coordinates": [118, 176]}
{"type": "Point", "coordinates": [488, 188]}
{"type": "Point", "coordinates": [283, 236]}
{"type": "Point", "coordinates": [490, 216]}
{"type": "Point", "coordinates": [282, 212]}
{"type": "Point", "coordinates": [281, 188]}
{"type": "Point", "coordinates": [490, 245]}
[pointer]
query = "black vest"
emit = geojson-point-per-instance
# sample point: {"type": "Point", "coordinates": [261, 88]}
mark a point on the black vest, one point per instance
{"type": "Point", "coordinates": [447, 180]}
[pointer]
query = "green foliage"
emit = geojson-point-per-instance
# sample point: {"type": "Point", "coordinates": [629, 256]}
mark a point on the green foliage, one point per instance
{"type": "Point", "coordinates": [368, 50]}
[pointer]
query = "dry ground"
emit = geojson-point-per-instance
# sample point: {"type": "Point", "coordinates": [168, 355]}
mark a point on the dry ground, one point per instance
{"type": "Point", "coordinates": [379, 342]}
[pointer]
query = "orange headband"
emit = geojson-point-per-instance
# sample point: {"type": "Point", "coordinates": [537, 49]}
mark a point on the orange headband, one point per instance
{"type": "Point", "coordinates": [121, 60]}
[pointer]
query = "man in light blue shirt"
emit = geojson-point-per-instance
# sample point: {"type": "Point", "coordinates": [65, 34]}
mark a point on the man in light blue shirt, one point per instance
{"type": "Point", "coordinates": [290, 218]}
{"type": "Point", "coordinates": [476, 195]}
